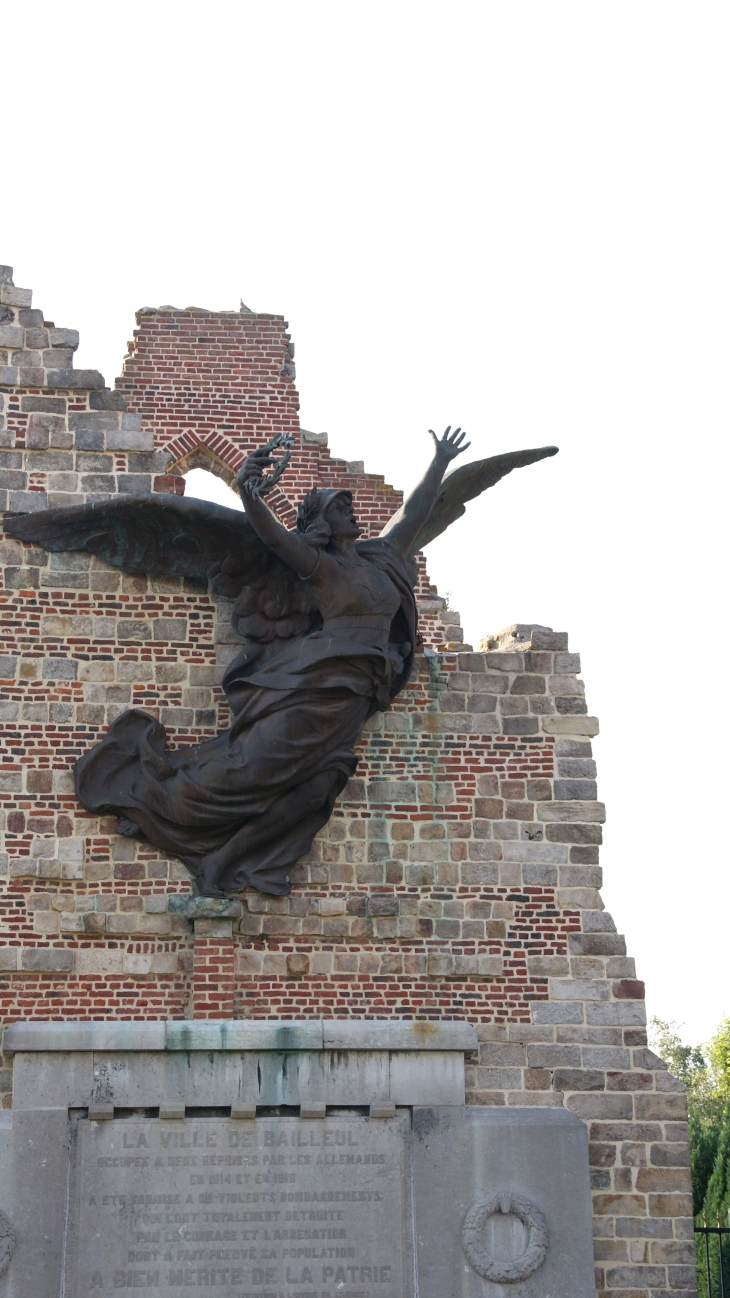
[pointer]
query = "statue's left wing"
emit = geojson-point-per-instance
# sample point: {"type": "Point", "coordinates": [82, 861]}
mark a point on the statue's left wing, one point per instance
{"type": "Point", "coordinates": [469, 481]}
{"type": "Point", "coordinates": [169, 536]}
{"type": "Point", "coordinates": [151, 534]}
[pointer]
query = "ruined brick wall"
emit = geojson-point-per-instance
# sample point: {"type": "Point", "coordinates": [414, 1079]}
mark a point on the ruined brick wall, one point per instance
{"type": "Point", "coordinates": [211, 386]}
{"type": "Point", "coordinates": [459, 875]}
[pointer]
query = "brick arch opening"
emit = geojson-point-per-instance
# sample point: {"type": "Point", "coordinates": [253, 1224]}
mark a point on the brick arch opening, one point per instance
{"type": "Point", "coordinates": [202, 457]}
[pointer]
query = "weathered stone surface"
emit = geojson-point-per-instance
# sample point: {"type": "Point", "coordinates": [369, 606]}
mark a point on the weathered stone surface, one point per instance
{"type": "Point", "coordinates": [462, 1156]}
{"type": "Point", "coordinates": [354, 1165]}
{"type": "Point", "coordinates": [38, 1175]}
{"type": "Point", "coordinates": [11, 296]}
{"type": "Point", "coordinates": [129, 439]}
{"type": "Point", "coordinates": [64, 338]}
{"type": "Point", "coordinates": [74, 379]}
{"type": "Point", "coordinates": [151, 1176]}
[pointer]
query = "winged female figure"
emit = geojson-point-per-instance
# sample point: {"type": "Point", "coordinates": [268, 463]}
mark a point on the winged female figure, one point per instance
{"type": "Point", "coordinates": [329, 628]}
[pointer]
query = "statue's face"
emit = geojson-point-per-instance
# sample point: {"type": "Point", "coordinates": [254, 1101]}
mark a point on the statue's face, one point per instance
{"type": "Point", "coordinates": [341, 516]}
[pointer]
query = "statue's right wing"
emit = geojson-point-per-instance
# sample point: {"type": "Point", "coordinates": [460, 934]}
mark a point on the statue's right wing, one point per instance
{"type": "Point", "coordinates": [468, 481]}
{"type": "Point", "coordinates": [170, 536]}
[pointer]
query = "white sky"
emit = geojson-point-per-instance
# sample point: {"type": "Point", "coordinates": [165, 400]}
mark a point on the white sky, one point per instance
{"type": "Point", "coordinates": [511, 216]}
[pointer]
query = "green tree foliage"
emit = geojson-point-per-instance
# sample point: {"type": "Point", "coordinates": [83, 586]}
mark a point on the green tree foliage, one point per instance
{"type": "Point", "coordinates": [716, 1205]}
{"type": "Point", "coordinates": [715, 1213]}
{"type": "Point", "coordinates": [706, 1074]}
{"type": "Point", "coordinates": [704, 1101]}
{"type": "Point", "coordinates": [717, 1198]}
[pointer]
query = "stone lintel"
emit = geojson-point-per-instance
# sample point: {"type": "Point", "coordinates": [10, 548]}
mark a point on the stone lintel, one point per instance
{"type": "Point", "coordinates": [241, 1035]}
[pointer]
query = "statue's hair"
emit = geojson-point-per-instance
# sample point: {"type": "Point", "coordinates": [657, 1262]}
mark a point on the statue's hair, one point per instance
{"type": "Point", "coordinates": [311, 516]}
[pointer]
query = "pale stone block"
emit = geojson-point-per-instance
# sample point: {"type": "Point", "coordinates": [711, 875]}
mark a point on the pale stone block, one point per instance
{"type": "Point", "coordinates": [126, 922]}
{"type": "Point", "coordinates": [137, 965]}
{"type": "Point", "coordinates": [564, 685]}
{"type": "Point", "coordinates": [547, 966]}
{"type": "Point", "coordinates": [20, 867]}
{"type": "Point", "coordinates": [529, 1032]}
{"type": "Point", "coordinates": [510, 874]}
{"type": "Point", "coordinates": [571, 812]}
{"type": "Point", "coordinates": [45, 960]}
{"type": "Point", "coordinates": [72, 922]}
{"type": "Point", "coordinates": [99, 960]}
{"type": "Point", "coordinates": [63, 626]}
{"type": "Point", "coordinates": [617, 1014]}
{"type": "Point", "coordinates": [392, 791]}
{"type": "Point", "coordinates": [11, 336]}
{"type": "Point", "coordinates": [100, 1112]}
{"type": "Point", "coordinates": [129, 439]}
{"type": "Point", "coordinates": [332, 906]}
{"type": "Point", "coordinates": [570, 725]}
{"type": "Point", "coordinates": [537, 853]}
{"type": "Point", "coordinates": [274, 963]}
{"type": "Point", "coordinates": [157, 904]}
{"type": "Point", "coordinates": [158, 924]}
{"type": "Point", "coordinates": [64, 338]}
{"type": "Point", "coordinates": [43, 846]}
{"type": "Point", "coordinates": [165, 963]}
{"type": "Point", "coordinates": [71, 849]}
{"type": "Point", "coordinates": [320, 963]}
{"type": "Point", "coordinates": [575, 989]}
{"type": "Point", "coordinates": [544, 1099]}
{"type": "Point", "coordinates": [242, 1110]}
{"type": "Point", "coordinates": [27, 502]}
{"type": "Point", "coordinates": [491, 966]}
{"type": "Point", "coordinates": [440, 963]}
{"type": "Point", "coordinates": [12, 296]}
{"type": "Point", "coordinates": [172, 1111]}
{"type": "Point", "coordinates": [597, 921]}
{"type": "Point", "coordinates": [580, 898]}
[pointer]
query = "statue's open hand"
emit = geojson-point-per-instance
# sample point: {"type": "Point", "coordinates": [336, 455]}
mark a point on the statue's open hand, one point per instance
{"type": "Point", "coordinates": [450, 445]}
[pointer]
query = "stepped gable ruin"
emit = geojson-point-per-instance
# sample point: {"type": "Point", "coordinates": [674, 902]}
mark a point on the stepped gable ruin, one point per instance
{"type": "Point", "coordinates": [458, 877]}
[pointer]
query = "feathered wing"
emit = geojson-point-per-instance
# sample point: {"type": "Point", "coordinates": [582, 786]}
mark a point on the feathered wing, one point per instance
{"type": "Point", "coordinates": [469, 481]}
{"type": "Point", "coordinates": [169, 536]}
{"type": "Point", "coordinates": [152, 534]}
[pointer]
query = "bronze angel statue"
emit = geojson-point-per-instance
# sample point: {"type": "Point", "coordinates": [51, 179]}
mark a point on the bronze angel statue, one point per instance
{"type": "Point", "coordinates": [329, 629]}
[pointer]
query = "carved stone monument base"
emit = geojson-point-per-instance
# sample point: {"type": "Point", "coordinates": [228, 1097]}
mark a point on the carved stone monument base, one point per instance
{"type": "Point", "coordinates": [256, 1159]}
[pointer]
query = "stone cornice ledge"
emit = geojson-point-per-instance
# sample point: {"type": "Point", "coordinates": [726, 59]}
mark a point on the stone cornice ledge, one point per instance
{"type": "Point", "coordinates": [242, 1034]}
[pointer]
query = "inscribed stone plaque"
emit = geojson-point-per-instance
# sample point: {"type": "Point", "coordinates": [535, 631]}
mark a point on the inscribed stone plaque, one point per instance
{"type": "Point", "coordinates": [278, 1207]}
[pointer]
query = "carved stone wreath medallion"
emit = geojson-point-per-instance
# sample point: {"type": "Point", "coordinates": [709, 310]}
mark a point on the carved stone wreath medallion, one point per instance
{"type": "Point", "coordinates": [492, 1268]}
{"type": "Point", "coordinates": [7, 1243]}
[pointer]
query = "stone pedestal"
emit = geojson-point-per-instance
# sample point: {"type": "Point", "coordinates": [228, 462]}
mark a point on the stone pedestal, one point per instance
{"type": "Point", "coordinates": [279, 1159]}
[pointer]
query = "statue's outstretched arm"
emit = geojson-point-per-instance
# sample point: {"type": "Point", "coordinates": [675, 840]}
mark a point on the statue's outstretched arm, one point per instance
{"type": "Point", "coordinates": [297, 553]}
{"type": "Point", "coordinates": [405, 525]}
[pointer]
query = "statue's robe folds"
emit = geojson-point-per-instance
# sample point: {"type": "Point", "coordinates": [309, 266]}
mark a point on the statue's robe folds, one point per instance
{"type": "Point", "coordinates": [241, 809]}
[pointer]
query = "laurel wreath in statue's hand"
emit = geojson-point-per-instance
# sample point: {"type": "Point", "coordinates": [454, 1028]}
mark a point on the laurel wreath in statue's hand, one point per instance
{"type": "Point", "coordinates": [253, 478]}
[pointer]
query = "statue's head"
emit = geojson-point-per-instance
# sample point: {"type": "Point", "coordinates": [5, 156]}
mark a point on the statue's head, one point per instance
{"type": "Point", "coordinates": [324, 514]}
